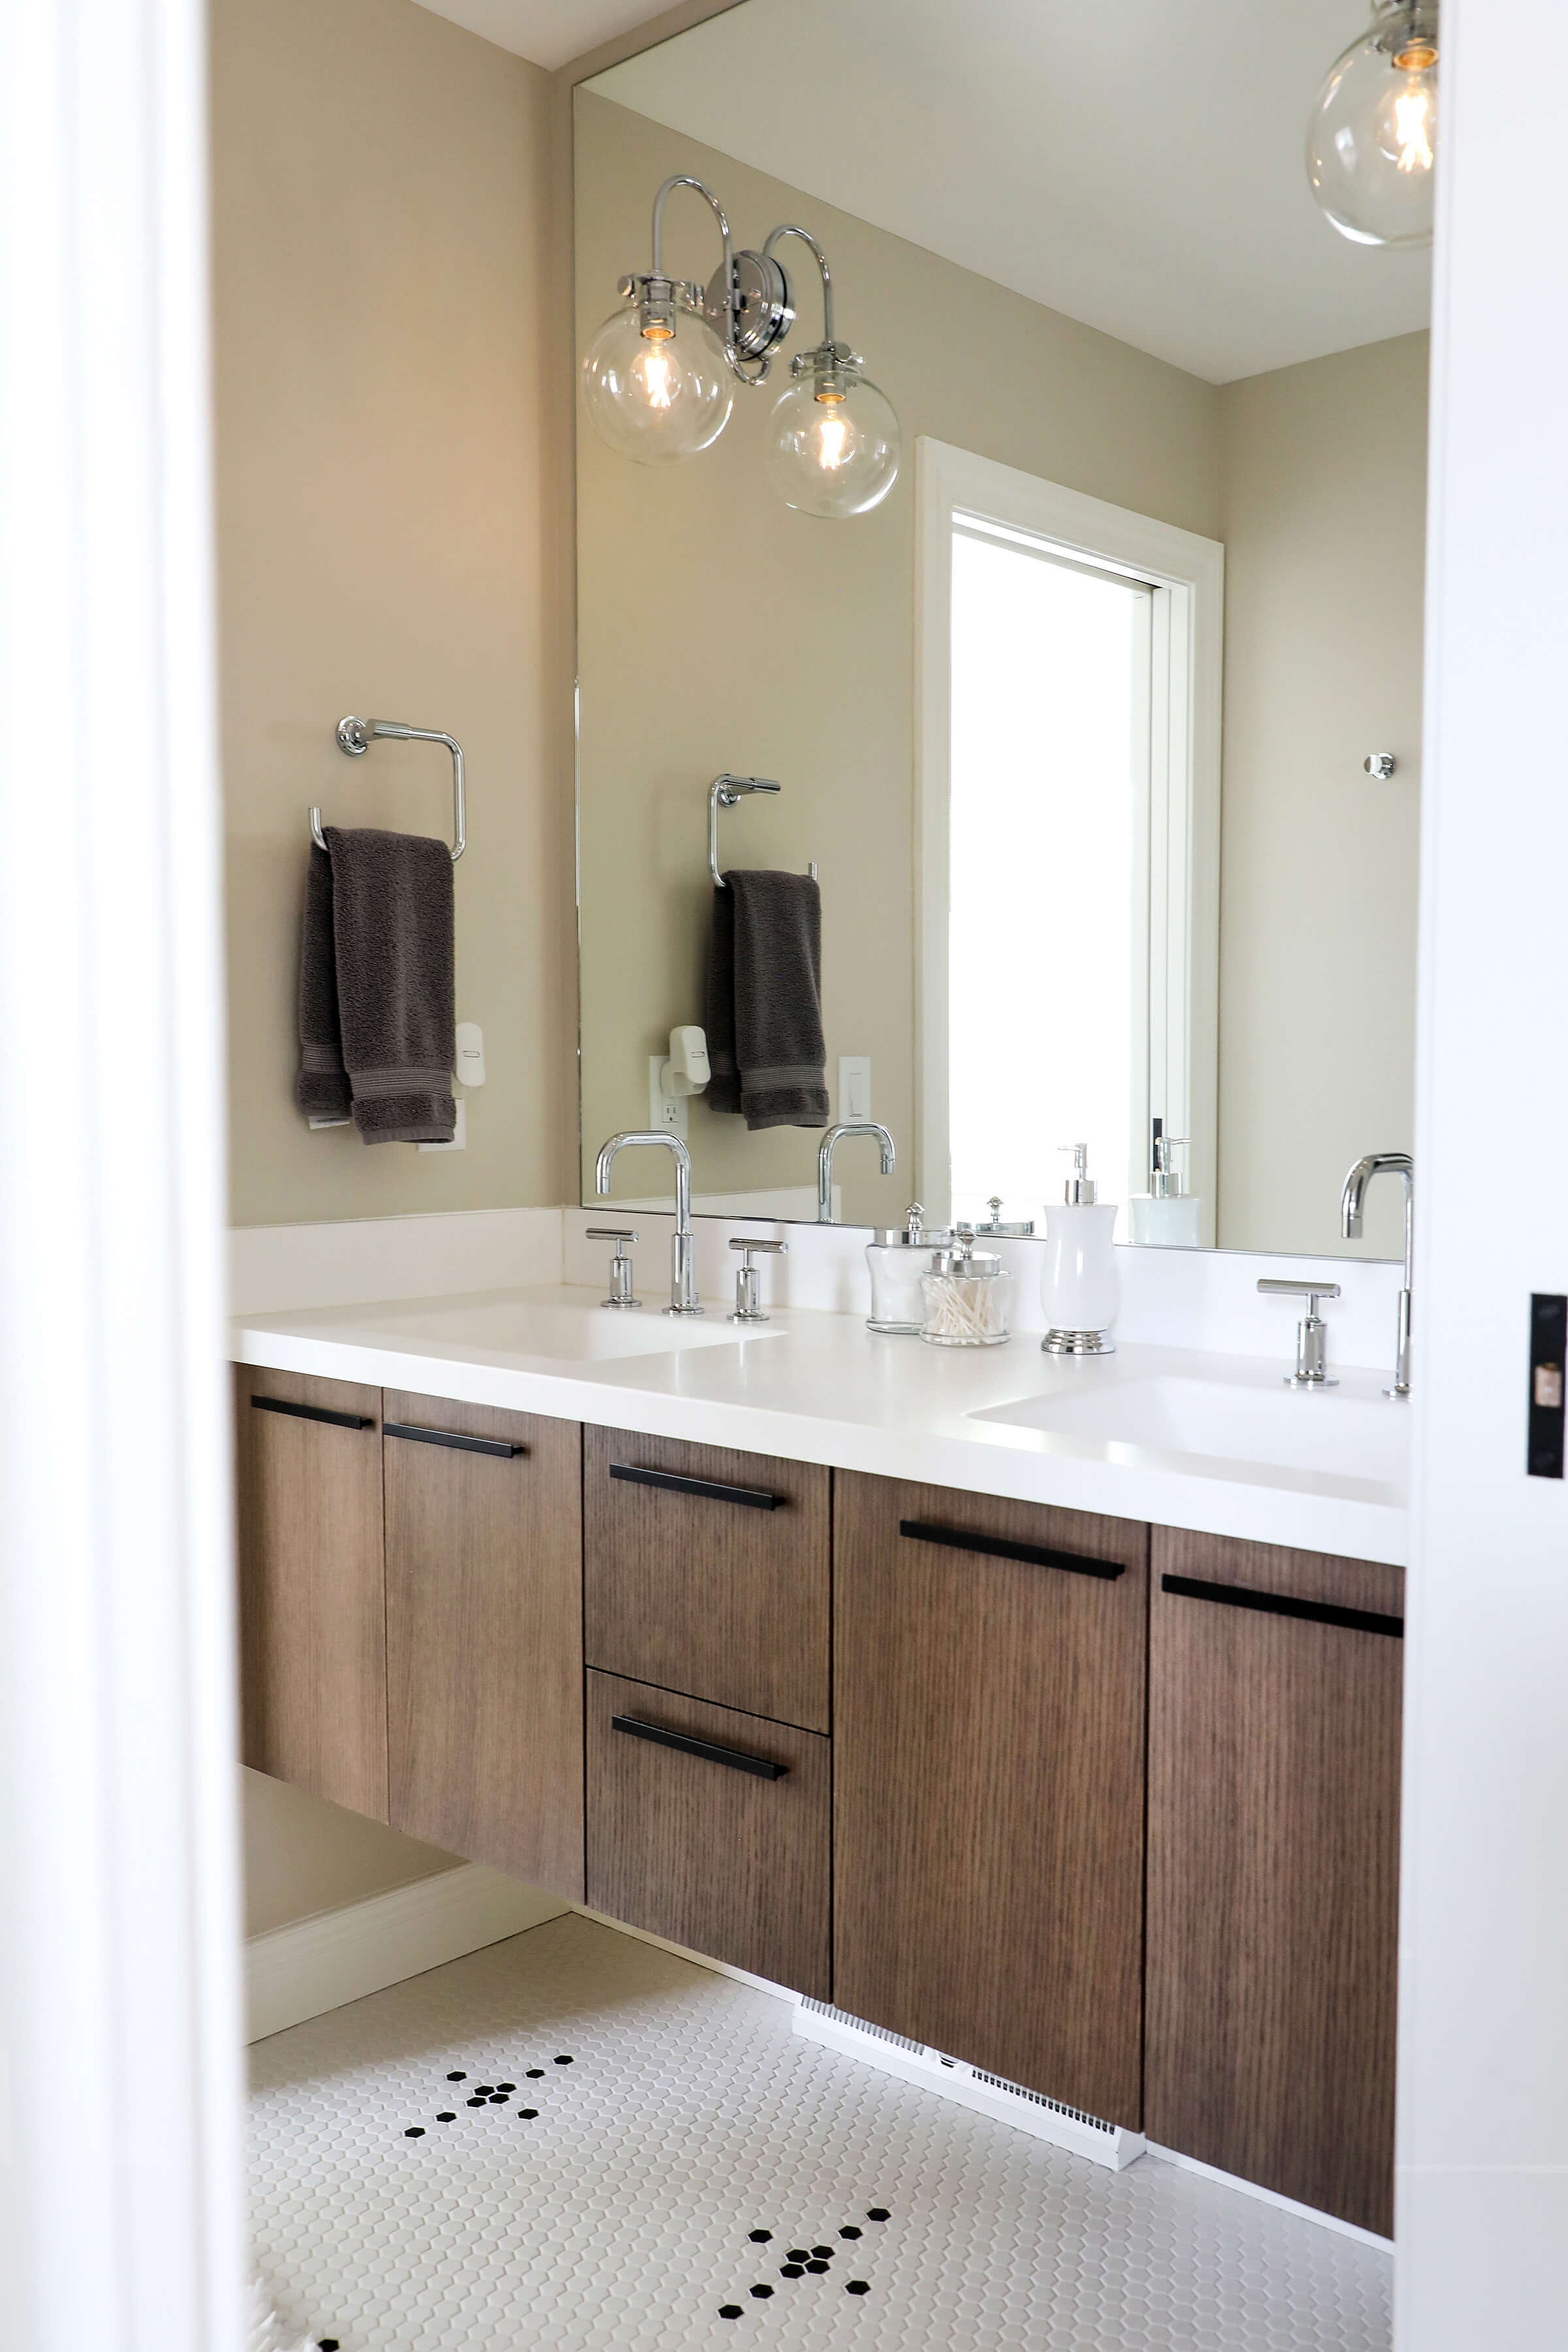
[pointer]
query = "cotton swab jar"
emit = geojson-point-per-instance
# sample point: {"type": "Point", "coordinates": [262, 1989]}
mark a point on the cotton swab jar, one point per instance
{"type": "Point", "coordinates": [967, 1293]}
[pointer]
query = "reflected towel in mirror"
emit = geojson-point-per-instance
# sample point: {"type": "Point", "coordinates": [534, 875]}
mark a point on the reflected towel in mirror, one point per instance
{"type": "Point", "coordinates": [766, 1051]}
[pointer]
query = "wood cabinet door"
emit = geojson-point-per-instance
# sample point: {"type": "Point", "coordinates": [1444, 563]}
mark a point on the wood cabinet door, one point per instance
{"type": "Point", "coordinates": [988, 1783]}
{"type": "Point", "coordinates": [311, 1603]}
{"type": "Point", "coordinates": [709, 1848]}
{"type": "Point", "coordinates": [707, 1571]}
{"type": "Point", "coordinates": [484, 1635]}
{"type": "Point", "coordinates": [1274, 1867]}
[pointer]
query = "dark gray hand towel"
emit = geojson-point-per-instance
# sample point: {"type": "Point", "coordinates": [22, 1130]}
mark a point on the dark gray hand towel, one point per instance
{"type": "Point", "coordinates": [723, 1069]}
{"type": "Point", "coordinates": [321, 1088]}
{"type": "Point", "coordinates": [779, 1043]}
{"type": "Point", "coordinates": [393, 955]}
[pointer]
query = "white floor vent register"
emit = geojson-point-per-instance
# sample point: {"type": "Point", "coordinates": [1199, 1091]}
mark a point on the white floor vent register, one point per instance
{"type": "Point", "coordinates": [969, 2087]}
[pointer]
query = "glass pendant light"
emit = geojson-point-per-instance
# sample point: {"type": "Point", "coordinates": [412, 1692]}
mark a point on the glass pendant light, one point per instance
{"type": "Point", "coordinates": [1371, 139]}
{"type": "Point", "coordinates": [832, 437]}
{"type": "Point", "coordinates": [660, 377]}
{"type": "Point", "coordinates": [655, 378]}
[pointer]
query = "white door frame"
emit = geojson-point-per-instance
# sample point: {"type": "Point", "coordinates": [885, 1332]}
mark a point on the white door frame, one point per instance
{"type": "Point", "coordinates": [120, 2032]}
{"type": "Point", "coordinates": [1187, 574]}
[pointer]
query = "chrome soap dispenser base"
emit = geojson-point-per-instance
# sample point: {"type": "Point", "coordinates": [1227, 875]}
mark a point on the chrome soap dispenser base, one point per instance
{"type": "Point", "coordinates": [1078, 1343]}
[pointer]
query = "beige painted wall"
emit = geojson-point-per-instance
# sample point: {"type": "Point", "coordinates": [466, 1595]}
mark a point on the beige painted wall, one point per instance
{"type": "Point", "coordinates": [720, 630]}
{"type": "Point", "coordinates": [381, 225]}
{"type": "Point", "coordinates": [1324, 525]}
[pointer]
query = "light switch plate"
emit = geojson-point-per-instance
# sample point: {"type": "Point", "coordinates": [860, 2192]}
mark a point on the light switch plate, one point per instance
{"type": "Point", "coordinates": [459, 1133]}
{"type": "Point", "coordinates": [854, 1086]}
{"type": "Point", "coordinates": [665, 1113]}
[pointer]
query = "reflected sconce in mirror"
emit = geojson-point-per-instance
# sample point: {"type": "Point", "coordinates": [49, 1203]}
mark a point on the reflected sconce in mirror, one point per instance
{"type": "Point", "coordinates": [659, 378]}
{"type": "Point", "coordinates": [1371, 138]}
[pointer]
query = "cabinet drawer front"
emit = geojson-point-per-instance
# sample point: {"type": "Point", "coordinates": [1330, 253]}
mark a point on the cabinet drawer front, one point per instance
{"type": "Point", "coordinates": [312, 1596]}
{"type": "Point", "coordinates": [484, 1635]}
{"type": "Point", "coordinates": [988, 1778]}
{"type": "Point", "coordinates": [1274, 1728]}
{"type": "Point", "coordinates": [707, 1571]}
{"type": "Point", "coordinates": [712, 1828]}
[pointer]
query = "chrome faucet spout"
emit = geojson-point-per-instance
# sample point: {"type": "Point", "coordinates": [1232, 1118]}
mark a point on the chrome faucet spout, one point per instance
{"type": "Point", "coordinates": [829, 1144]}
{"type": "Point", "coordinates": [683, 1299]}
{"type": "Point", "coordinates": [1352, 1206]}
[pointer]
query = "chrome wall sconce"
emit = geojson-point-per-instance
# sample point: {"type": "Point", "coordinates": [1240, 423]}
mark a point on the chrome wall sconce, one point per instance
{"type": "Point", "coordinates": [660, 377]}
{"type": "Point", "coordinates": [1372, 135]}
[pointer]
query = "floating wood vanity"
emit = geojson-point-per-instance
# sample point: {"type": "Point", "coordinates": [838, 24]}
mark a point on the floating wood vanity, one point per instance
{"type": "Point", "coordinates": [1110, 1810]}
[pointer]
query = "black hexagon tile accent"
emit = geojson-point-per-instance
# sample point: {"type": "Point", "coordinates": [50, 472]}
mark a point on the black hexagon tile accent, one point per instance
{"type": "Point", "coordinates": [691, 2116]}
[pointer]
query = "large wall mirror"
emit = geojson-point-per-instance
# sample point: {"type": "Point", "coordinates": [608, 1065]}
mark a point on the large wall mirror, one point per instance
{"type": "Point", "coordinates": [1072, 721]}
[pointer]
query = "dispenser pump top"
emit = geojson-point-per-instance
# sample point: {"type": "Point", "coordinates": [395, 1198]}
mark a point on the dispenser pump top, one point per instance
{"type": "Point", "coordinates": [1079, 1188]}
{"type": "Point", "coordinates": [1164, 1179]}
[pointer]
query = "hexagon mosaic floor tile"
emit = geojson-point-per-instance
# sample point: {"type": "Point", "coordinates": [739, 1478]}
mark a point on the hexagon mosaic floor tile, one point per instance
{"type": "Point", "coordinates": [574, 2140]}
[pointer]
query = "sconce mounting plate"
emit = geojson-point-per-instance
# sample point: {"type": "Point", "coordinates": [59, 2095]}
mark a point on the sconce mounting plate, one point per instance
{"type": "Point", "coordinates": [759, 310]}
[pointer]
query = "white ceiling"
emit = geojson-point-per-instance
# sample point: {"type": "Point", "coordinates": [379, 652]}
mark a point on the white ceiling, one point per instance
{"type": "Point", "coordinates": [1138, 165]}
{"type": "Point", "coordinates": [550, 32]}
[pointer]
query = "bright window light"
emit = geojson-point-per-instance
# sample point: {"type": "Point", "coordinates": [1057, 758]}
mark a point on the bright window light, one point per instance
{"type": "Point", "coordinates": [1048, 872]}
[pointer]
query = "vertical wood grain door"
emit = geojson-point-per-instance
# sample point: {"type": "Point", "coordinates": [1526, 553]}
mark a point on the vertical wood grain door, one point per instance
{"type": "Point", "coordinates": [311, 1602]}
{"type": "Point", "coordinates": [484, 1630]}
{"type": "Point", "coordinates": [1274, 1867]}
{"type": "Point", "coordinates": [988, 1783]}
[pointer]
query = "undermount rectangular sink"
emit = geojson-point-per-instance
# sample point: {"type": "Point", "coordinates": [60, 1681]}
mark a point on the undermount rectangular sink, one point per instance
{"type": "Point", "coordinates": [521, 1323]}
{"type": "Point", "coordinates": [1321, 1430]}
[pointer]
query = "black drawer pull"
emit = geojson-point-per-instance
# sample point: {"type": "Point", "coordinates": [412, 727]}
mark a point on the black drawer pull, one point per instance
{"type": "Point", "coordinates": [1283, 1604]}
{"type": "Point", "coordinates": [762, 1768]}
{"type": "Point", "coordinates": [449, 1437]}
{"type": "Point", "coordinates": [756, 1498]}
{"type": "Point", "coordinates": [312, 1413]}
{"type": "Point", "coordinates": [1004, 1547]}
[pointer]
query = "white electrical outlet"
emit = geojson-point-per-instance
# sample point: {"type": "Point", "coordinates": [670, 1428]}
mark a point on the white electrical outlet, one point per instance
{"type": "Point", "coordinates": [665, 1113]}
{"type": "Point", "coordinates": [854, 1086]}
{"type": "Point", "coordinates": [459, 1137]}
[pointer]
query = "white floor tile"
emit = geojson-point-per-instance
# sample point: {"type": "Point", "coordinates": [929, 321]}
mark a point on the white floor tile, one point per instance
{"type": "Point", "coordinates": [690, 2116]}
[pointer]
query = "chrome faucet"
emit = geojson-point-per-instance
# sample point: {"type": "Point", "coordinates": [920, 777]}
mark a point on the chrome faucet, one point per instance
{"type": "Point", "coordinates": [830, 1141]}
{"type": "Point", "coordinates": [1352, 1201]}
{"type": "Point", "coordinates": [683, 1299]}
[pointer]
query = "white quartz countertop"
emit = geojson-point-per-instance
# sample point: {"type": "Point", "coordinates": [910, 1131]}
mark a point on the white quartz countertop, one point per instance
{"type": "Point", "coordinates": [1145, 1433]}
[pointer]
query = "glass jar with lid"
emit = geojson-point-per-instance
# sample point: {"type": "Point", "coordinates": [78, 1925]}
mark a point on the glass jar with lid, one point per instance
{"type": "Point", "coordinates": [896, 1258]}
{"type": "Point", "coordinates": [967, 1294]}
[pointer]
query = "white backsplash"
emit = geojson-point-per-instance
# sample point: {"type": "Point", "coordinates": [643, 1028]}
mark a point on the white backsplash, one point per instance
{"type": "Point", "coordinates": [1193, 1299]}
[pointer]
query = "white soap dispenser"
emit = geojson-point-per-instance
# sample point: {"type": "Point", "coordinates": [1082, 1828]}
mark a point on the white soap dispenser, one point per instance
{"type": "Point", "coordinates": [1080, 1288]}
{"type": "Point", "coordinates": [1164, 1217]}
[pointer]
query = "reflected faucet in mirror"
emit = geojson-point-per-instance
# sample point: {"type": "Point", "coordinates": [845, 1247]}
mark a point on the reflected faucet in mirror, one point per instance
{"type": "Point", "coordinates": [1353, 1201]}
{"type": "Point", "coordinates": [825, 1150]}
{"type": "Point", "coordinates": [683, 1299]}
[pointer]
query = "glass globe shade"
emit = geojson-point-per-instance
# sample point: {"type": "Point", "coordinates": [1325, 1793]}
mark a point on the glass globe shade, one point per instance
{"type": "Point", "coordinates": [1371, 139]}
{"type": "Point", "coordinates": [832, 457]}
{"type": "Point", "coordinates": [658, 400]}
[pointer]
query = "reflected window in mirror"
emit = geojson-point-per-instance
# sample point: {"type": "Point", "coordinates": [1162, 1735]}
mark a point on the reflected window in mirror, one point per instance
{"type": "Point", "coordinates": [1068, 830]}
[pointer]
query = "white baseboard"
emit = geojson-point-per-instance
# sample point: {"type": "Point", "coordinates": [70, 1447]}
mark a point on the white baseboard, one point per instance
{"type": "Point", "coordinates": [317, 1963]}
{"type": "Point", "coordinates": [1270, 2197]}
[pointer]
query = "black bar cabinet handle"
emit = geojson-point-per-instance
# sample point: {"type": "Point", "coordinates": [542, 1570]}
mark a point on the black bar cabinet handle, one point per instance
{"type": "Point", "coordinates": [449, 1437]}
{"type": "Point", "coordinates": [1004, 1547]}
{"type": "Point", "coordinates": [754, 1498]}
{"type": "Point", "coordinates": [762, 1768]}
{"type": "Point", "coordinates": [1283, 1604]}
{"type": "Point", "coordinates": [312, 1413]}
